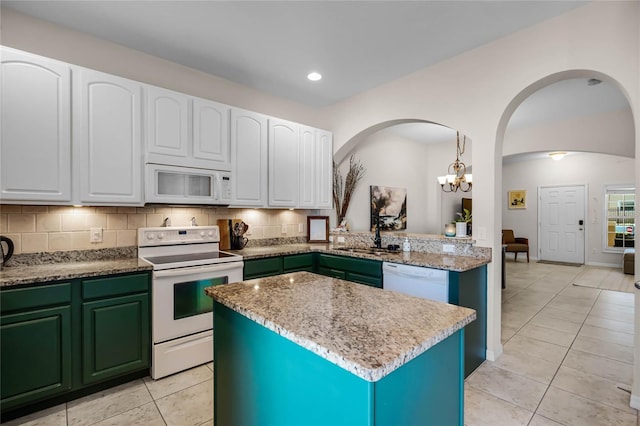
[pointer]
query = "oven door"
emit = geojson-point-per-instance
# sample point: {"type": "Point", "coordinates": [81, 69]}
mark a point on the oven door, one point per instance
{"type": "Point", "coordinates": [180, 306]}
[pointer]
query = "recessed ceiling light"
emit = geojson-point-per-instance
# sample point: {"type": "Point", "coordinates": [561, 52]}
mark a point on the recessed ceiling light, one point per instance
{"type": "Point", "coordinates": [558, 155]}
{"type": "Point", "coordinates": [314, 76]}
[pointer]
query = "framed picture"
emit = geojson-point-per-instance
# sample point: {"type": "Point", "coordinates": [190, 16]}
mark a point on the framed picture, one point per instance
{"type": "Point", "coordinates": [318, 229]}
{"type": "Point", "coordinates": [390, 206]}
{"type": "Point", "coordinates": [517, 199]}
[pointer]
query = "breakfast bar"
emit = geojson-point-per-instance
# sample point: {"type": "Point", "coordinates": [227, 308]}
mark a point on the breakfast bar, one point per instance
{"type": "Point", "coordinates": [302, 348]}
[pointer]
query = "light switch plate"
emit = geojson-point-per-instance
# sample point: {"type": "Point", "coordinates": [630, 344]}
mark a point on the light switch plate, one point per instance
{"type": "Point", "coordinates": [95, 235]}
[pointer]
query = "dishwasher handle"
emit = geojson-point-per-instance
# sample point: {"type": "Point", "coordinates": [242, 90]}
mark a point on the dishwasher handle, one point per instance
{"type": "Point", "coordinates": [415, 272]}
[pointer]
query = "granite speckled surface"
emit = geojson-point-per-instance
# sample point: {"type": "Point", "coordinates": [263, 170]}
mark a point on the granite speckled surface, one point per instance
{"type": "Point", "coordinates": [367, 331]}
{"type": "Point", "coordinates": [46, 272]}
{"type": "Point", "coordinates": [457, 263]}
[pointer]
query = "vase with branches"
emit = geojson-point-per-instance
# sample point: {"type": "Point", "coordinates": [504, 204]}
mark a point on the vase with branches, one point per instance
{"type": "Point", "coordinates": [342, 192]}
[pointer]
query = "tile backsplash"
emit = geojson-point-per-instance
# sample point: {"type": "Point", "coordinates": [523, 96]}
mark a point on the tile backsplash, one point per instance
{"type": "Point", "coordinates": [53, 228]}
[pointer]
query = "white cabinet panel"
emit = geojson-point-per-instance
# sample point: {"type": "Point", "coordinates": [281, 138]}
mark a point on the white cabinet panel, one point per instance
{"type": "Point", "coordinates": [211, 134]}
{"type": "Point", "coordinates": [167, 122]}
{"type": "Point", "coordinates": [35, 152]}
{"type": "Point", "coordinates": [248, 158]}
{"type": "Point", "coordinates": [324, 170]}
{"type": "Point", "coordinates": [107, 138]}
{"type": "Point", "coordinates": [284, 141]}
{"type": "Point", "coordinates": [307, 167]}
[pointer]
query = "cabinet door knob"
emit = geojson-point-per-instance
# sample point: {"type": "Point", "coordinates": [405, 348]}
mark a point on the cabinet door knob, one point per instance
{"type": "Point", "coordinates": [637, 284]}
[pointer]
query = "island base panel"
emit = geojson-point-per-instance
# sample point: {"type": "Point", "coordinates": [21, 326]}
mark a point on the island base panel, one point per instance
{"type": "Point", "coordinates": [262, 378]}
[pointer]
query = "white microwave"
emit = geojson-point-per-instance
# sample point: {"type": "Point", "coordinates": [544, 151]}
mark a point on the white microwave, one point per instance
{"type": "Point", "coordinates": [185, 185]}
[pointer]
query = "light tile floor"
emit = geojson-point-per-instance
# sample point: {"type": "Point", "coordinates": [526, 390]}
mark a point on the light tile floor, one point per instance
{"type": "Point", "coordinates": [568, 360]}
{"type": "Point", "coordinates": [568, 351]}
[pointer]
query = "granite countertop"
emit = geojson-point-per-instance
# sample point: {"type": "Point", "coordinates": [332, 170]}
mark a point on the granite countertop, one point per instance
{"type": "Point", "coordinates": [28, 274]}
{"type": "Point", "coordinates": [367, 331]}
{"type": "Point", "coordinates": [457, 263]}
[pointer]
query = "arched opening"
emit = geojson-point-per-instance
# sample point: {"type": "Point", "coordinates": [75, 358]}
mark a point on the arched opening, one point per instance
{"type": "Point", "coordinates": [408, 154]}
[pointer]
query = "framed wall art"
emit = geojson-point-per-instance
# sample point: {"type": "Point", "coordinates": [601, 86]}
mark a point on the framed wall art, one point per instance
{"type": "Point", "coordinates": [390, 205]}
{"type": "Point", "coordinates": [517, 199]}
{"type": "Point", "coordinates": [318, 229]}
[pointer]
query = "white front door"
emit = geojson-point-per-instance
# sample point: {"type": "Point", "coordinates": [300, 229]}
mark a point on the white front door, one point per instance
{"type": "Point", "coordinates": [562, 224]}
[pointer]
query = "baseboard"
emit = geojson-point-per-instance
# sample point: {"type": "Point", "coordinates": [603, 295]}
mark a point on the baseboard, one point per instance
{"type": "Point", "coordinates": [635, 401]}
{"type": "Point", "coordinates": [494, 355]}
{"type": "Point", "coordinates": [605, 265]}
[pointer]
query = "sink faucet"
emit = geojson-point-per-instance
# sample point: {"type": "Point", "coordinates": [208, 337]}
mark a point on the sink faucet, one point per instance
{"type": "Point", "coordinates": [377, 241]}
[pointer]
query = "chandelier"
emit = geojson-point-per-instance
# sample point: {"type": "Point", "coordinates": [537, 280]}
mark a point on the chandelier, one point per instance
{"type": "Point", "coordinates": [457, 177]}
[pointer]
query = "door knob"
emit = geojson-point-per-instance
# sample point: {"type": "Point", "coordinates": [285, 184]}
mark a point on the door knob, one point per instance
{"type": "Point", "coordinates": [637, 284]}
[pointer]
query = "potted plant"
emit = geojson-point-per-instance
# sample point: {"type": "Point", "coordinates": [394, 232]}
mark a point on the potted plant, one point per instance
{"type": "Point", "coordinates": [462, 219]}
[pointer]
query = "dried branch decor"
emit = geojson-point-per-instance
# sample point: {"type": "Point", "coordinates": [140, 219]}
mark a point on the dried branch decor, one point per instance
{"type": "Point", "coordinates": [340, 200]}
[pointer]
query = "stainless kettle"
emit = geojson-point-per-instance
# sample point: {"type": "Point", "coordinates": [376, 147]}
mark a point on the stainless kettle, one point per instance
{"type": "Point", "coordinates": [5, 253]}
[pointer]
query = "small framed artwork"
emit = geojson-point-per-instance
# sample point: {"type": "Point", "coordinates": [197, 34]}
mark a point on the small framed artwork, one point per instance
{"type": "Point", "coordinates": [518, 199]}
{"type": "Point", "coordinates": [318, 229]}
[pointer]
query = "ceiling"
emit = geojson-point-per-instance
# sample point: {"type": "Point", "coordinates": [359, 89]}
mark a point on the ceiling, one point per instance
{"type": "Point", "coordinates": [273, 45]}
{"type": "Point", "coordinates": [356, 45]}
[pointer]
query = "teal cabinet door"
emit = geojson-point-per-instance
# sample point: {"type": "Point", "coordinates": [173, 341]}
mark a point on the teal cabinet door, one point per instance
{"type": "Point", "coordinates": [35, 355]}
{"type": "Point", "coordinates": [363, 271]}
{"type": "Point", "coordinates": [259, 268]}
{"type": "Point", "coordinates": [115, 337]}
{"type": "Point", "coordinates": [298, 262]}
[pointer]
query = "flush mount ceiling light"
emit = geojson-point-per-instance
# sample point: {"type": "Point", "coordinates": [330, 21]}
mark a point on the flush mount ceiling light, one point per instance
{"type": "Point", "coordinates": [593, 82]}
{"type": "Point", "coordinates": [457, 177]}
{"type": "Point", "coordinates": [558, 155]}
{"type": "Point", "coordinates": [314, 76]}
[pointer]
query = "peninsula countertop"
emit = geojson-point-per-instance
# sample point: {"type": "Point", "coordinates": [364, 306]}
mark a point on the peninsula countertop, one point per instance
{"type": "Point", "coordinates": [367, 331]}
{"type": "Point", "coordinates": [456, 263]}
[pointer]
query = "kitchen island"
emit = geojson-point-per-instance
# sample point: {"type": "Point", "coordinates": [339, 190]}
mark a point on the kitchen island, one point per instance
{"type": "Point", "coordinates": [307, 349]}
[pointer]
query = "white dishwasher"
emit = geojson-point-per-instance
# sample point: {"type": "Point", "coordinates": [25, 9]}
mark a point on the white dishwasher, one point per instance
{"type": "Point", "coordinates": [416, 281]}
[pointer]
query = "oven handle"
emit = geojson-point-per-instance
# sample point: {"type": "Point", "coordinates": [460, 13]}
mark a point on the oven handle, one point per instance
{"type": "Point", "coordinates": [182, 272]}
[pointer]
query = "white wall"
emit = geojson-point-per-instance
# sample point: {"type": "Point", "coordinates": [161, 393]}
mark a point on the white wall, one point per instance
{"type": "Point", "coordinates": [594, 170]}
{"type": "Point", "coordinates": [393, 161]}
{"type": "Point", "coordinates": [477, 91]}
{"type": "Point", "coordinates": [611, 132]}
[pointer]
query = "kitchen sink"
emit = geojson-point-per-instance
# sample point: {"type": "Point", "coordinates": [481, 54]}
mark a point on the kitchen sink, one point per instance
{"type": "Point", "coordinates": [374, 251]}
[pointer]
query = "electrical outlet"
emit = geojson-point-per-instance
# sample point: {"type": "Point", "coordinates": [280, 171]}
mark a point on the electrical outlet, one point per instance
{"type": "Point", "coordinates": [95, 235]}
{"type": "Point", "coordinates": [248, 230]}
{"type": "Point", "coordinates": [341, 239]}
{"type": "Point", "coordinates": [284, 229]}
{"type": "Point", "coordinates": [448, 248]}
{"type": "Point", "coordinates": [480, 233]}
{"type": "Point", "coordinates": [300, 228]}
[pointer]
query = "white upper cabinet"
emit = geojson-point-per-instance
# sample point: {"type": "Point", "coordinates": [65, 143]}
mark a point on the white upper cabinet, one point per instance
{"type": "Point", "coordinates": [307, 179]}
{"type": "Point", "coordinates": [284, 142]}
{"type": "Point", "coordinates": [107, 138]}
{"type": "Point", "coordinates": [167, 123]}
{"type": "Point", "coordinates": [316, 169]}
{"type": "Point", "coordinates": [248, 158]}
{"type": "Point", "coordinates": [211, 142]}
{"type": "Point", "coordinates": [35, 151]}
{"type": "Point", "coordinates": [186, 131]}
{"type": "Point", "coordinates": [324, 170]}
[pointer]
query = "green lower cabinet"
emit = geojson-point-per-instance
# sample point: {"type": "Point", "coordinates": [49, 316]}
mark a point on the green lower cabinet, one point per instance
{"type": "Point", "coordinates": [298, 262]}
{"type": "Point", "coordinates": [115, 337]}
{"type": "Point", "coordinates": [363, 271]}
{"type": "Point", "coordinates": [35, 355]}
{"type": "Point", "coordinates": [333, 273]}
{"type": "Point", "coordinates": [60, 340]}
{"type": "Point", "coordinates": [259, 268]}
{"type": "Point", "coordinates": [469, 289]}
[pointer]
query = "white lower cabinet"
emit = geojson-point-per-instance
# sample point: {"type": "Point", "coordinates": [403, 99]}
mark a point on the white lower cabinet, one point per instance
{"type": "Point", "coordinates": [248, 158]}
{"type": "Point", "coordinates": [35, 150]}
{"type": "Point", "coordinates": [107, 138]}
